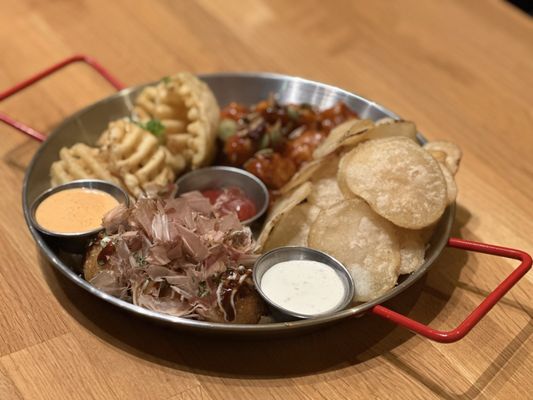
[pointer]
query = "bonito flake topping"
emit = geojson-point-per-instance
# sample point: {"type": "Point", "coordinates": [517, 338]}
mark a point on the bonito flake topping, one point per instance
{"type": "Point", "coordinates": [178, 256]}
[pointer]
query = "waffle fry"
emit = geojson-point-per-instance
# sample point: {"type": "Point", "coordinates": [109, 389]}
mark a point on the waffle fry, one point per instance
{"type": "Point", "coordinates": [80, 162]}
{"type": "Point", "coordinates": [189, 113]}
{"type": "Point", "coordinates": [137, 157]}
{"type": "Point", "coordinates": [126, 155]}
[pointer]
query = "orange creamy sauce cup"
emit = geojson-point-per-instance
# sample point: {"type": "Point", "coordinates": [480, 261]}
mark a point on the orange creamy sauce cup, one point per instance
{"type": "Point", "coordinates": [74, 210]}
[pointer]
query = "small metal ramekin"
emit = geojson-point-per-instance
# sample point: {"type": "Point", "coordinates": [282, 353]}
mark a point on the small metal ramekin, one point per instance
{"type": "Point", "coordinates": [289, 253]}
{"type": "Point", "coordinates": [220, 177]}
{"type": "Point", "coordinates": [76, 242]}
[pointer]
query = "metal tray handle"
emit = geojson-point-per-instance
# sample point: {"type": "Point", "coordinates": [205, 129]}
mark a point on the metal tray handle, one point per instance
{"type": "Point", "coordinates": [43, 74]}
{"type": "Point", "coordinates": [481, 310]}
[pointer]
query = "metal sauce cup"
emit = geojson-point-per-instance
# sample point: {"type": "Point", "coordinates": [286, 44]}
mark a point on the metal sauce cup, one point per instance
{"type": "Point", "coordinates": [220, 177]}
{"type": "Point", "coordinates": [76, 242]}
{"type": "Point", "coordinates": [281, 254]}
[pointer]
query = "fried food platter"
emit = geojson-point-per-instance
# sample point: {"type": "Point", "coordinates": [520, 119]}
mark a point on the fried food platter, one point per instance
{"type": "Point", "coordinates": [246, 88]}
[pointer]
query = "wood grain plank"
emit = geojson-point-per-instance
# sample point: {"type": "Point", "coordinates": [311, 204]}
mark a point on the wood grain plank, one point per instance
{"type": "Point", "coordinates": [29, 314]}
{"type": "Point", "coordinates": [130, 372]}
{"type": "Point", "coordinates": [196, 393]}
{"type": "Point", "coordinates": [462, 71]}
{"type": "Point", "coordinates": [8, 391]}
{"type": "Point", "coordinates": [56, 369]}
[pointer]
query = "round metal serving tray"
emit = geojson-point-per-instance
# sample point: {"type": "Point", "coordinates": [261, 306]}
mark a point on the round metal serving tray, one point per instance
{"type": "Point", "coordinates": [87, 124]}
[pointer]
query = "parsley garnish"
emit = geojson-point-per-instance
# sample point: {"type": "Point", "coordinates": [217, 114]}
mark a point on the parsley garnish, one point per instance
{"type": "Point", "coordinates": [140, 259]}
{"type": "Point", "coordinates": [202, 289]}
{"type": "Point", "coordinates": [166, 80]}
{"type": "Point", "coordinates": [154, 126]}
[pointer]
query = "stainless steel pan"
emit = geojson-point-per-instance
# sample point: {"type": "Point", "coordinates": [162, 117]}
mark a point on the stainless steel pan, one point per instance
{"type": "Point", "coordinates": [88, 123]}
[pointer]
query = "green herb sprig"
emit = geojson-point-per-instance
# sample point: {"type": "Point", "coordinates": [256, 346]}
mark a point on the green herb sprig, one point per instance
{"type": "Point", "coordinates": [203, 290]}
{"type": "Point", "coordinates": [154, 126]}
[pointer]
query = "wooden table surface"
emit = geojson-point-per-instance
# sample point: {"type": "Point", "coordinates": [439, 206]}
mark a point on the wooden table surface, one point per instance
{"type": "Point", "coordinates": [462, 70]}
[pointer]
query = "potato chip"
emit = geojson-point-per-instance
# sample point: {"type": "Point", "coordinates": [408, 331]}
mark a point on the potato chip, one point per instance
{"type": "Point", "coordinates": [325, 191]}
{"type": "Point", "coordinates": [440, 156]}
{"type": "Point", "coordinates": [304, 174]}
{"type": "Point", "coordinates": [399, 179]}
{"type": "Point", "coordinates": [428, 234]}
{"type": "Point", "coordinates": [341, 178]}
{"type": "Point", "coordinates": [283, 205]}
{"type": "Point", "coordinates": [447, 164]}
{"type": "Point", "coordinates": [293, 227]}
{"type": "Point", "coordinates": [393, 128]}
{"type": "Point", "coordinates": [364, 242]}
{"type": "Point", "coordinates": [355, 133]}
{"type": "Point", "coordinates": [385, 120]}
{"type": "Point", "coordinates": [451, 186]}
{"type": "Point", "coordinates": [333, 140]}
{"type": "Point", "coordinates": [412, 249]}
{"type": "Point", "coordinates": [386, 128]}
{"type": "Point", "coordinates": [447, 152]}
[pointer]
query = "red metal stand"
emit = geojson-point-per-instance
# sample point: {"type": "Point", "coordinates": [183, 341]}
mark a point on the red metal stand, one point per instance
{"type": "Point", "coordinates": [481, 310]}
{"type": "Point", "coordinates": [43, 74]}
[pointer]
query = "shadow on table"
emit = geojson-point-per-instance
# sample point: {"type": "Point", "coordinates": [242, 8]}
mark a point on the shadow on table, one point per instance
{"type": "Point", "coordinates": [491, 375]}
{"type": "Point", "coordinates": [346, 343]}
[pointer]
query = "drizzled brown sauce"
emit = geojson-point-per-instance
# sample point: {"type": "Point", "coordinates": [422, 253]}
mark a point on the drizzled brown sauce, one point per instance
{"type": "Point", "coordinates": [230, 286]}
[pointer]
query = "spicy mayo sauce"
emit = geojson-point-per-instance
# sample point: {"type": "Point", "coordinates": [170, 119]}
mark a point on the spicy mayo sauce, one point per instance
{"type": "Point", "coordinates": [74, 210]}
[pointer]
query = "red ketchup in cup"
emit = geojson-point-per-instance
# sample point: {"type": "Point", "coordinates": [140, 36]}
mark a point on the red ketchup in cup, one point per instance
{"type": "Point", "coordinates": [231, 199]}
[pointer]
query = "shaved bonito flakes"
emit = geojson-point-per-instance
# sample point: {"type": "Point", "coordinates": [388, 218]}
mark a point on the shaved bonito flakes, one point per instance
{"type": "Point", "coordinates": [177, 256]}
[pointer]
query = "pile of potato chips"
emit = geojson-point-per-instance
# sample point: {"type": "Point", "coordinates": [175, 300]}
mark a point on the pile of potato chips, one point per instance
{"type": "Point", "coordinates": [370, 198]}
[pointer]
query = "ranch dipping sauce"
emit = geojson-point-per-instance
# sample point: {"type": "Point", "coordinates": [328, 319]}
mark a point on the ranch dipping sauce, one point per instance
{"type": "Point", "coordinates": [303, 286]}
{"type": "Point", "coordinates": [74, 210]}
